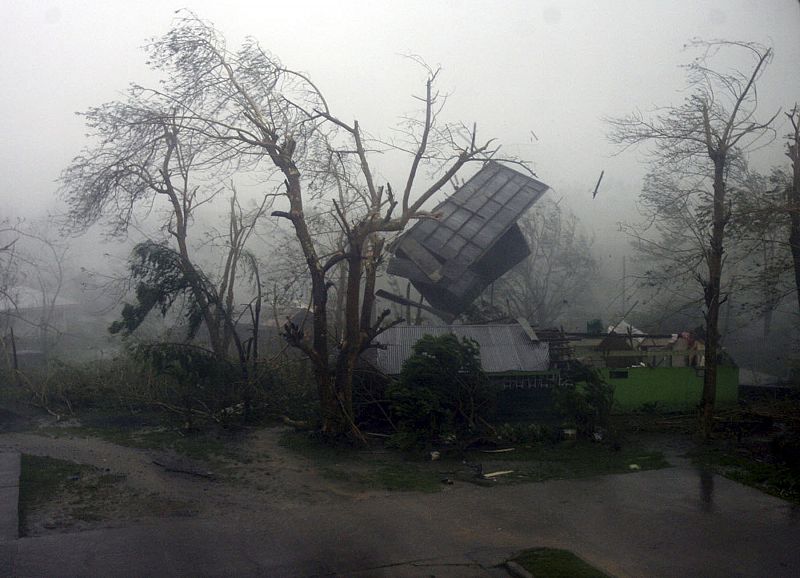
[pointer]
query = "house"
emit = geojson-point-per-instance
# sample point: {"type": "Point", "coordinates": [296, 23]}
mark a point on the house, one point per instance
{"type": "Point", "coordinates": [27, 309]}
{"type": "Point", "coordinates": [660, 371]}
{"type": "Point", "coordinates": [508, 354]}
{"type": "Point", "coordinates": [36, 320]}
{"type": "Point", "coordinates": [512, 356]}
{"type": "Point", "coordinates": [663, 372]}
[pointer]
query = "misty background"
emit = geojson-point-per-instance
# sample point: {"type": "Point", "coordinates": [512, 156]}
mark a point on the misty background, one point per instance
{"type": "Point", "coordinates": [540, 77]}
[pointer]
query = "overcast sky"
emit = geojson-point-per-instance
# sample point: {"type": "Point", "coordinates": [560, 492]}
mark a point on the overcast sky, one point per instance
{"type": "Point", "coordinates": [554, 69]}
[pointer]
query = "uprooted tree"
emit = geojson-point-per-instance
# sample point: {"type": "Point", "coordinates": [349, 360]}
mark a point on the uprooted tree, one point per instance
{"type": "Point", "coordinates": [696, 145]}
{"type": "Point", "coordinates": [244, 111]}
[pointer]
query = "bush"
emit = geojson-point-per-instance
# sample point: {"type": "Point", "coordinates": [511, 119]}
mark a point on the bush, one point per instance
{"type": "Point", "coordinates": [524, 433]}
{"type": "Point", "coordinates": [583, 399]}
{"type": "Point", "coordinates": [442, 393]}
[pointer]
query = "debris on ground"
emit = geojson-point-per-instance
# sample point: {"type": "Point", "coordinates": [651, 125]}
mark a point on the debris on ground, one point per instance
{"type": "Point", "coordinates": [173, 462]}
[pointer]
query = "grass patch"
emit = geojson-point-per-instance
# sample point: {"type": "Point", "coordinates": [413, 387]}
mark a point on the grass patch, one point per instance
{"type": "Point", "coordinates": [402, 477]}
{"type": "Point", "coordinates": [80, 488]}
{"type": "Point", "coordinates": [555, 563]}
{"type": "Point", "coordinates": [40, 479]}
{"type": "Point", "coordinates": [772, 478]}
{"type": "Point", "coordinates": [392, 471]}
{"type": "Point", "coordinates": [364, 468]}
{"type": "Point", "coordinates": [57, 495]}
{"type": "Point", "coordinates": [537, 463]}
{"type": "Point", "coordinates": [201, 445]}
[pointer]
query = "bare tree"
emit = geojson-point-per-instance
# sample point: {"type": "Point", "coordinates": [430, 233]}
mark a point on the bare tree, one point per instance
{"type": "Point", "coordinates": [32, 279]}
{"type": "Point", "coordinates": [145, 152]}
{"type": "Point", "coordinates": [8, 265]}
{"type": "Point", "coordinates": [793, 195]}
{"type": "Point", "coordinates": [699, 139]}
{"type": "Point", "coordinates": [269, 117]}
{"type": "Point", "coordinates": [558, 271]}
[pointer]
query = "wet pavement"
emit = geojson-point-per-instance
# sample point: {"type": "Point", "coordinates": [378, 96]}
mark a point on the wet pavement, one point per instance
{"type": "Point", "coordinates": [677, 521]}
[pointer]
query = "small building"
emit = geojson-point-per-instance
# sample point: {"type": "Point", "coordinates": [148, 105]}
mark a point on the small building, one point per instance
{"type": "Point", "coordinates": [27, 310]}
{"type": "Point", "coordinates": [659, 372]}
{"type": "Point", "coordinates": [36, 321]}
{"type": "Point", "coordinates": [512, 357]}
{"type": "Point", "coordinates": [662, 372]}
{"type": "Point", "coordinates": [509, 356]}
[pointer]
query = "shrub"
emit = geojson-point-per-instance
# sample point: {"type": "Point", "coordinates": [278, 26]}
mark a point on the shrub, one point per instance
{"type": "Point", "coordinates": [583, 399]}
{"type": "Point", "coordinates": [442, 393]}
{"type": "Point", "coordinates": [180, 381]}
{"type": "Point", "coordinates": [524, 433]}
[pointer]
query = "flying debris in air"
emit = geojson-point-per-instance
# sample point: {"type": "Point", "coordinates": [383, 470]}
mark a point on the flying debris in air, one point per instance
{"type": "Point", "coordinates": [597, 186]}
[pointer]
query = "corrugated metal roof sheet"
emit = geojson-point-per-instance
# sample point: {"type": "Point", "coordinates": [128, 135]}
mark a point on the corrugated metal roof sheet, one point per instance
{"type": "Point", "coordinates": [503, 348]}
{"type": "Point", "coordinates": [453, 259]}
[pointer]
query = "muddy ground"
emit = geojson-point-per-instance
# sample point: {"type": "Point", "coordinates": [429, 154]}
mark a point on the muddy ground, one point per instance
{"type": "Point", "coordinates": [156, 483]}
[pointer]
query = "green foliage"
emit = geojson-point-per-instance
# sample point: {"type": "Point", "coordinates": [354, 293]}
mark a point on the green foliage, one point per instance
{"type": "Point", "coordinates": [162, 279]}
{"type": "Point", "coordinates": [556, 563]}
{"type": "Point", "coordinates": [583, 399]}
{"type": "Point", "coordinates": [442, 393]}
{"type": "Point", "coordinates": [594, 327]}
{"type": "Point", "coordinates": [81, 493]}
{"type": "Point", "coordinates": [525, 433]}
{"type": "Point", "coordinates": [204, 385]}
{"type": "Point", "coordinates": [287, 387]}
{"type": "Point", "coordinates": [167, 383]}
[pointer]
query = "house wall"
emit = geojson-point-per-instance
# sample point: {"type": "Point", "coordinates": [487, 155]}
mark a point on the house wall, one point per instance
{"type": "Point", "coordinates": [672, 388]}
{"type": "Point", "coordinates": [523, 397]}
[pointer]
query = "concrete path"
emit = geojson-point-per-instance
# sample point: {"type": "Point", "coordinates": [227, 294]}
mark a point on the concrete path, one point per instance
{"type": "Point", "coordinates": [9, 496]}
{"type": "Point", "coordinates": [671, 522]}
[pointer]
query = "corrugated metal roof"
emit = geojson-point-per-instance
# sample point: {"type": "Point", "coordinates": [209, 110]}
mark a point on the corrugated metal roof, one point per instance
{"type": "Point", "coordinates": [451, 260]}
{"type": "Point", "coordinates": [502, 347]}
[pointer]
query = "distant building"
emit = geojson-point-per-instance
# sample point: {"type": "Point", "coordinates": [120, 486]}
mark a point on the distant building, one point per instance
{"type": "Point", "coordinates": [509, 356]}
{"type": "Point", "coordinates": [27, 310]}
{"type": "Point", "coordinates": [663, 372]}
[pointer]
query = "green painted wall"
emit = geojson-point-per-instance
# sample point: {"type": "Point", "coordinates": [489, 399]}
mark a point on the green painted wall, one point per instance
{"type": "Point", "coordinates": [673, 388]}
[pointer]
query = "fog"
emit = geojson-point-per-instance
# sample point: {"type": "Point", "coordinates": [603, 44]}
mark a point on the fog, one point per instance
{"type": "Point", "coordinates": [540, 77]}
{"type": "Point", "coordinates": [270, 305]}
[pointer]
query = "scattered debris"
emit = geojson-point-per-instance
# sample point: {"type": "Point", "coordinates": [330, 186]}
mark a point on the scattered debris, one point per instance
{"type": "Point", "coordinates": [498, 473]}
{"type": "Point", "coordinates": [634, 467]}
{"type": "Point", "coordinates": [296, 424]}
{"type": "Point", "coordinates": [435, 456]}
{"type": "Point", "coordinates": [172, 463]}
{"type": "Point", "coordinates": [500, 451]}
{"type": "Point", "coordinates": [597, 186]}
{"type": "Point", "coordinates": [516, 570]}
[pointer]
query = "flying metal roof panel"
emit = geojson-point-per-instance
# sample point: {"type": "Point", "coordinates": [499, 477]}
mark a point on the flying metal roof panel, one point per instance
{"type": "Point", "coordinates": [473, 219]}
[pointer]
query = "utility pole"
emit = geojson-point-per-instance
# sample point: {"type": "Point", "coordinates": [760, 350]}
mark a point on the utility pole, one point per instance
{"type": "Point", "coordinates": [624, 283]}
